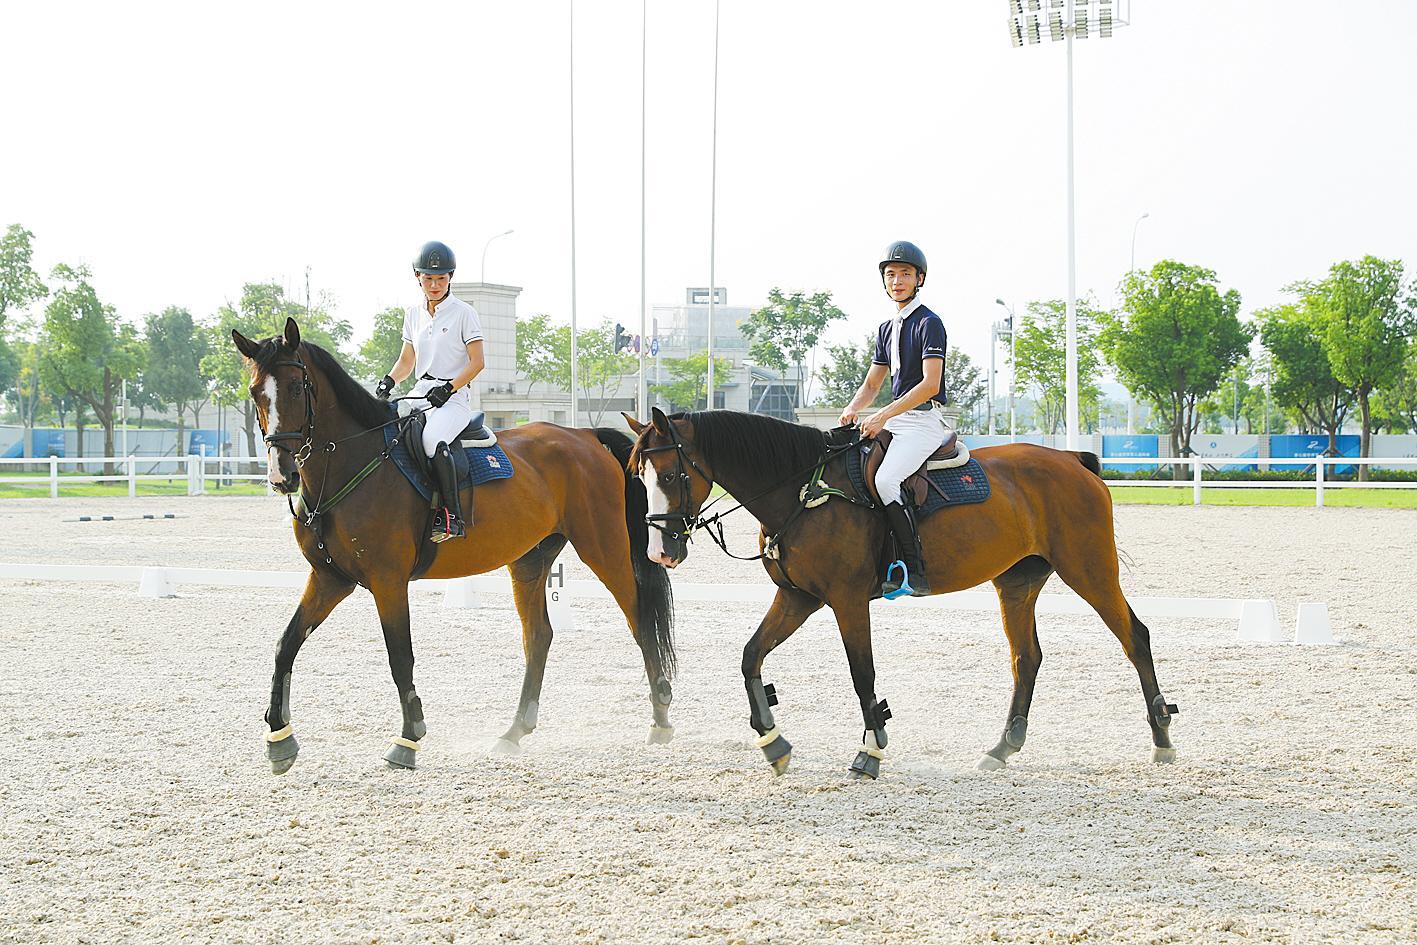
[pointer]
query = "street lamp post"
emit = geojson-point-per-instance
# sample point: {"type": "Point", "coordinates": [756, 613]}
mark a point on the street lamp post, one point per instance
{"type": "Point", "coordinates": [483, 276]}
{"type": "Point", "coordinates": [1133, 266]}
{"type": "Point", "coordinates": [1066, 21]}
{"type": "Point", "coordinates": [1013, 364]}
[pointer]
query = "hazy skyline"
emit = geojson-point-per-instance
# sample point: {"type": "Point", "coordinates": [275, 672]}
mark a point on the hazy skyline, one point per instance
{"type": "Point", "coordinates": [181, 151]}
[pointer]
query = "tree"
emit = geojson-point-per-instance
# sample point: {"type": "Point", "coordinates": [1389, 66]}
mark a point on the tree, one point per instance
{"type": "Point", "coordinates": [1396, 404]}
{"type": "Point", "coordinates": [1237, 400]}
{"type": "Point", "coordinates": [1364, 319]}
{"type": "Point", "coordinates": [174, 372]}
{"type": "Point", "coordinates": [261, 313]}
{"type": "Point", "coordinates": [784, 330]}
{"type": "Point", "coordinates": [544, 354]}
{"type": "Point", "coordinates": [1040, 360]}
{"type": "Point", "coordinates": [1303, 381]}
{"type": "Point", "coordinates": [963, 382]}
{"type": "Point", "coordinates": [842, 378]}
{"type": "Point", "coordinates": [1177, 337]}
{"type": "Point", "coordinates": [19, 283]}
{"type": "Point", "coordinates": [383, 347]}
{"type": "Point", "coordinates": [689, 389]}
{"type": "Point", "coordinates": [86, 352]}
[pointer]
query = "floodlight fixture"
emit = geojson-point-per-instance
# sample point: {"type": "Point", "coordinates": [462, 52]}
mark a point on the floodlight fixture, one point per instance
{"type": "Point", "coordinates": [1015, 31]}
{"type": "Point", "coordinates": [1055, 25]}
{"type": "Point", "coordinates": [1015, 7]}
{"type": "Point", "coordinates": [1033, 31]}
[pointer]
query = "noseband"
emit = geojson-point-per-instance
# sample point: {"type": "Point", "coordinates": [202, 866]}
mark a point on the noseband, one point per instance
{"type": "Point", "coordinates": [307, 432]}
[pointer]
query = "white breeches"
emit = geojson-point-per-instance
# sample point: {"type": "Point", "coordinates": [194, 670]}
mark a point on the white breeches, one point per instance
{"type": "Point", "coordinates": [443, 424]}
{"type": "Point", "coordinates": [915, 434]}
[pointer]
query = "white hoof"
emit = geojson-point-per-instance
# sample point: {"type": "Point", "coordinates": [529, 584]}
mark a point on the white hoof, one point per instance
{"type": "Point", "coordinates": [660, 734]}
{"type": "Point", "coordinates": [506, 748]}
{"type": "Point", "coordinates": [1163, 756]}
{"type": "Point", "coordinates": [990, 763]}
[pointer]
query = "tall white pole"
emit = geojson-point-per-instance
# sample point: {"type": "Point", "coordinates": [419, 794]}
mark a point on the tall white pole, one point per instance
{"type": "Point", "coordinates": [575, 351]}
{"type": "Point", "coordinates": [713, 209]}
{"type": "Point", "coordinates": [642, 397]}
{"type": "Point", "coordinates": [1071, 353]}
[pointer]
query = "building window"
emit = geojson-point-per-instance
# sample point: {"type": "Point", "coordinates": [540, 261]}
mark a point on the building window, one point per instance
{"type": "Point", "coordinates": [774, 400]}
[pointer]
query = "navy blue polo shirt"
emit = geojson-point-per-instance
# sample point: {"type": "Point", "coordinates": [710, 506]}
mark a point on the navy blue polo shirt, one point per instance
{"type": "Point", "coordinates": [922, 335]}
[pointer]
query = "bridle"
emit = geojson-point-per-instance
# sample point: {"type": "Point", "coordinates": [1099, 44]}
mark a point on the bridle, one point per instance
{"type": "Point", "coordinates": [689, 522]}
{"type": "Point", "coordinates": [307, 432]}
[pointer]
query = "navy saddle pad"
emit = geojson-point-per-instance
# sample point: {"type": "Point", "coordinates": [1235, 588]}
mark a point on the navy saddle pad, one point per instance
{"type": "Point", "coordinates": [475, 464]}
{"type": "Point", "coordinates": [962, 485]}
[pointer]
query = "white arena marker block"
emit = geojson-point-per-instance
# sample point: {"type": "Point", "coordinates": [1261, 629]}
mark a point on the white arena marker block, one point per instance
{"type": "Point", "coordinates": [558, 608]}
{"type": "Point", "coordinates": [1312, 625]}
{"type": "Point", "coordinates": [1259, 622]}
{"type": "Point", "coordinates": [459, 594]}
{"type": "Point", "coordinates": [153, 582]}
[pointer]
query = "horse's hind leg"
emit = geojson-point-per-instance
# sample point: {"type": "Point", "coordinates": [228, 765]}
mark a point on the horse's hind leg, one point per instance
{"type": "Point", "coordinates": [529, 573]}
{"type": "Point", "coordinates": [1096, 582]}
{"type": "Point", "coordinates": [323, 590]}
{"type": "Point", "coordinates": [391, 597]}
{"type": "Point", "coordinates": [1018, 589]}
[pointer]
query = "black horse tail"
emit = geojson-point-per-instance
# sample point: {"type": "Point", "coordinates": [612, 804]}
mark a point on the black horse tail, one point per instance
{"type": "Point", "coordinates": [1091, 461]}
{"type": "Point", "coordinates": [656, 598]}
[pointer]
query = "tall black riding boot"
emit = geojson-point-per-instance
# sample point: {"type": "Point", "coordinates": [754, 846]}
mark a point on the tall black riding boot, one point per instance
{"type": "Point", "coordinates": [913, 581]}
{"type": "Point", "coordinates": [447, 523]}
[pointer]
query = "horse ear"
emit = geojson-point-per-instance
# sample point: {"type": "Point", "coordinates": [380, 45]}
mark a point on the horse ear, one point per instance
{"type": "Point", "coordinates": [635, 425]}
{"type": "Point", "coordinates": [245, 345]}
{"type": "Point", "coordinates": [292, 334]}
{"type": "Point", "coordinates": [660, 421]}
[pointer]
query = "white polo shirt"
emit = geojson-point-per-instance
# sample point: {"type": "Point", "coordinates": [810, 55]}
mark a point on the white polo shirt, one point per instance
{"type": "Point", "coordinates": [440, 340]}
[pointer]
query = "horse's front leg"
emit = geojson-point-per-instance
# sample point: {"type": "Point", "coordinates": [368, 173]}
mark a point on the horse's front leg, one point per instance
{"type": "Point", "coordinates": [391, 598]}
{"type": "Point", "coordinates": [789, 610]}
{"type": "Point", "coordinates": [854, 621]}
{"type": "Point", "coordinates": [323, 590]}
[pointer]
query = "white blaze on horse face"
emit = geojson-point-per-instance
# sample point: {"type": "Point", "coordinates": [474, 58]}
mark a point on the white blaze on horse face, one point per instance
{"type": "Point", "coordinates": [658, 505]}
{"type": "Point", "coordinates": [273, 472]}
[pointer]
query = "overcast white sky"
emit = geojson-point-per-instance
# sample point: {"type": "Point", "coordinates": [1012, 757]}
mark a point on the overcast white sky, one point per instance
{"type": "Point", "coordinates": [183, 149]}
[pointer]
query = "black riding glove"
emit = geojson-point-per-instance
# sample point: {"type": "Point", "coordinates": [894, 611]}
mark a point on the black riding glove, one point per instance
{"type": "Point", "coordinates": [439, 395]}
{"type": "Point", "coordinates": [385, 388]}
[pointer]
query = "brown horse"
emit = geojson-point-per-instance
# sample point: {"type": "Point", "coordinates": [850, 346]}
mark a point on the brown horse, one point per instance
{"type": "Point", "coordinates": [1048, 511]}
{"type": "Point", "coordinates": [325, 437]}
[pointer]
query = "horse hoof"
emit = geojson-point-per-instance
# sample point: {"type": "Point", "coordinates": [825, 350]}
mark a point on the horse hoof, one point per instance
{"type": "Point", "coordinates": [506, 747]}
{"type": "Point", "coordinates": [779, 764]}
{"type": "Point", "coordinates": [990, 763]}
{"type": "Point", "coordinates": [401, 755]}
{"type": "Point", "coordinates": [660, 734]}
{"type": "Point", "coordinates": [865, 766]}
{"type": "Point", "coordinates": [281, 754]}
{"type": "Point", "coordinates": [1163, 756]}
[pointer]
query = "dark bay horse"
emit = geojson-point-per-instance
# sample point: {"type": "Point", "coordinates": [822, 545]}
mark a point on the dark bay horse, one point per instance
{"type": "Point", "coordinates": [325, 435]}
{"type": "Point", "coordinates": [1048, 511]}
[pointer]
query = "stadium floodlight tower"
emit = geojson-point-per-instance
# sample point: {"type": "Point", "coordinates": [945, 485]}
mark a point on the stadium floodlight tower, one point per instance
{"type": "Point", "coordinates": [1066, 20]}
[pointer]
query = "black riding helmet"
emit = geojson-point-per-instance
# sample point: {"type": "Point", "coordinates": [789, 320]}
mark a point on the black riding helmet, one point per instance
{"type": "Point", "coordinates": [434, 258]}
{"type": "Point", "coordinates": [902, 251]}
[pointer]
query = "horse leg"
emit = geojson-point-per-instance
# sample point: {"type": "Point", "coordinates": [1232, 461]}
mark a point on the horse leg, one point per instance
{"type": "Point", "coordinates": [1018, 589]}
{"type": "Point", "coordinates": [854, 622]}
{"type": "Point", "coordinates": [323, 590]}
{"type": "Point", "coordinates": [1099, 586]}
{"type": "Point", "coordinates": [391, 598]}
{"type": "Point", "coordinates": [642, 590]}
{"type": "Point", "coordinates": [789, 610]}
{"type": "Point", "coordinates": [529, 573]}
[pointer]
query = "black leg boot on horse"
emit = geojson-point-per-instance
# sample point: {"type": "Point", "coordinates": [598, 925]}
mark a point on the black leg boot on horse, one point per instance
{"type": "Point", "coordinates": [448, 522]}
{"type": "Point", "coordinates": [906, 576]}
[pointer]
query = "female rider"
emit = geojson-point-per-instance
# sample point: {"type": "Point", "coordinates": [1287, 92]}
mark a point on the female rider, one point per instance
{"type": "Point", "coordinates": [442, 343]}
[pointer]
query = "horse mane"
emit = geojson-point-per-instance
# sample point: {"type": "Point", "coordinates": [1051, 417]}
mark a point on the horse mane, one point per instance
{"type": "Point", "coordinates": [363, 406]}
{"type": "Point", "coordinates": [750, 443]}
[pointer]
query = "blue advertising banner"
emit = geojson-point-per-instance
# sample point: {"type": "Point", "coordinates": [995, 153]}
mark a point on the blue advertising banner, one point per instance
{"type": "Point", "coordinates": [47, 442]}
{"type": "Point", "coordinates": [196, 439]}
{"type": "Point", "coordinates": [1116, 448]}
{"type": "Point", "coordinates": [1289, 446]}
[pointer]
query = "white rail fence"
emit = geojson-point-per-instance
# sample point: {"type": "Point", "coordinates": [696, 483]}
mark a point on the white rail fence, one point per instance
{"type": "Point", "coordinates": [1257, 619]}
{"type": "Point", "coordinates": [199, 470]}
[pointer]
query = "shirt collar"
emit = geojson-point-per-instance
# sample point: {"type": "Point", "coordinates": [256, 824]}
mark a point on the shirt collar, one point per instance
{"type": "Point", "coordinates": [423, 305]}
{"type": "Point", "coordinates": [909, 310]}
